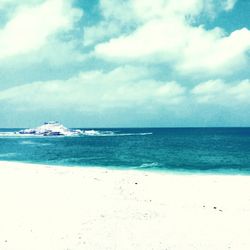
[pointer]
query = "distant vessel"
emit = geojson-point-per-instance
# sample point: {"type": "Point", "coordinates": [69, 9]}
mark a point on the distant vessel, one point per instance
{"type": "Point", "coordinates": [51, 128]}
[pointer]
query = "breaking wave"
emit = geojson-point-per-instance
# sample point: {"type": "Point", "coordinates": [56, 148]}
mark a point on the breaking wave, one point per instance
{"type": "Point", "coordinates": [110, 133]}
{"type": "Point", "coordinates": [150, 165]}
{"type": "Point", "coordinates": [82, 133]}
{"type": "Point", "coordinates": [34, 143]}
{"type": "Point", "coordinates": [15, 134]}
{"type": "Point", "coordinates": [7, 155]}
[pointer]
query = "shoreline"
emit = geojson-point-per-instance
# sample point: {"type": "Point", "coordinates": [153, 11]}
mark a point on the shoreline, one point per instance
{"type": "Point", "coordinates": [185, 172]}
{"type": "Point", "coordinates": [59, 208]}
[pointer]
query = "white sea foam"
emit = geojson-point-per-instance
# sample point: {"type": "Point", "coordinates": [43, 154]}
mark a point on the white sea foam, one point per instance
{"type": "Point", "coordinates": [79, 133]}
{"type": "Point", "coordinates": [6, 155]}
{"type": "Point", "coordinates": [27, 142]}
{"type": "Point", "coordinates": [109, 133]}
{"type": "Point", "coordinates": [34, 143]}
{"type": "Point", "coordinates": [149, 165]}
{"type": "Point", "coordinates": [50, 129]}
{"type": "Point", "coordinates": [97, 133]}
{"type": "Point", "coordinates": [82, 133]}
{"type": "Point", "coordinates": [15, 134]}
{"type": "Point", "coordinates": [129, 134]}
{"type": "Point", "coordinates": [5, 134]}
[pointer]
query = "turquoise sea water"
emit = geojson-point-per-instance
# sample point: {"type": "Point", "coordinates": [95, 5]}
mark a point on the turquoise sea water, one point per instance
{"type": "Point", "coordinates": [225, 150]}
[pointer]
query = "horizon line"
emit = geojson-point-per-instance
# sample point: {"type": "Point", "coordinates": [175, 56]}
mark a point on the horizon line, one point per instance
{"type": "Point", "coordinates": [143, 127]}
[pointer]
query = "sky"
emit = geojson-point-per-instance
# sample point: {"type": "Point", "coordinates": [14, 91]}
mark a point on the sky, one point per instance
{"type": "Point", "coordinates": [125, 63]}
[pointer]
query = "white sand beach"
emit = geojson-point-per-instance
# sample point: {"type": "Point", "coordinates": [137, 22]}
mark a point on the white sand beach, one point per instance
{"type": "Point", "coordinates": [62, 208]}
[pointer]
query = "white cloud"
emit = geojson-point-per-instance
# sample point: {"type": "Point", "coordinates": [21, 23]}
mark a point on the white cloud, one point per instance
{"type": "Point", "coordinates": [55, 54]}
{"type": "Point", "coordinates": [213, 52]}
{"type": "Point", "coordinates": [142, 11]}
{"type": "Point", "coordinates": [34, 26]}
{"type": "Point", "coordinates": [120, 17]}
{"type": "Point", "coordinates": [139, 12]}
{"type": "Point", "coordinates": [229, 4]}
{"type": "Point", "coordinates": [192, 49]}
{"type": "Point", "coordinates": [162, 35]}
{"type": "Point", "coordinates": [166, 34]}
{"type": "Point", "coordinates": [4, 4]}
{"type": "Point", "coordinates": [209, 87]}
{"type": "Point", "coordinates": [100, 32]}
{"type": "Point", "coordinates": [219, 92]}
{"type": "Point", "coordinates": [124, 87]}
{"type": "Point", "coordinates": [111, 96]}
{"type": "Point", "coordinates": [148, 43]}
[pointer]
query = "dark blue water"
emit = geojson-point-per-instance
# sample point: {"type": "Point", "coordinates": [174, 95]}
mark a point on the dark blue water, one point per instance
{"type": "Point", "coordinates": [224, 150]}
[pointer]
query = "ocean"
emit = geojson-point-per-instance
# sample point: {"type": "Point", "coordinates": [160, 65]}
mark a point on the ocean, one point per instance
{"type": "Point", "coordinates": [205, 150]}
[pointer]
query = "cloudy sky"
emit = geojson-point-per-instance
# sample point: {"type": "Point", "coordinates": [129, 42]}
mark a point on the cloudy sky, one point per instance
{"type": "Point", "coordinates": [125, 63]}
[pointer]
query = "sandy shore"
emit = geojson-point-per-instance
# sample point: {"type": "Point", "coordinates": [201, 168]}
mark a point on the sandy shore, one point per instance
{"type": "Point", "coordinates": [59, 208]}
